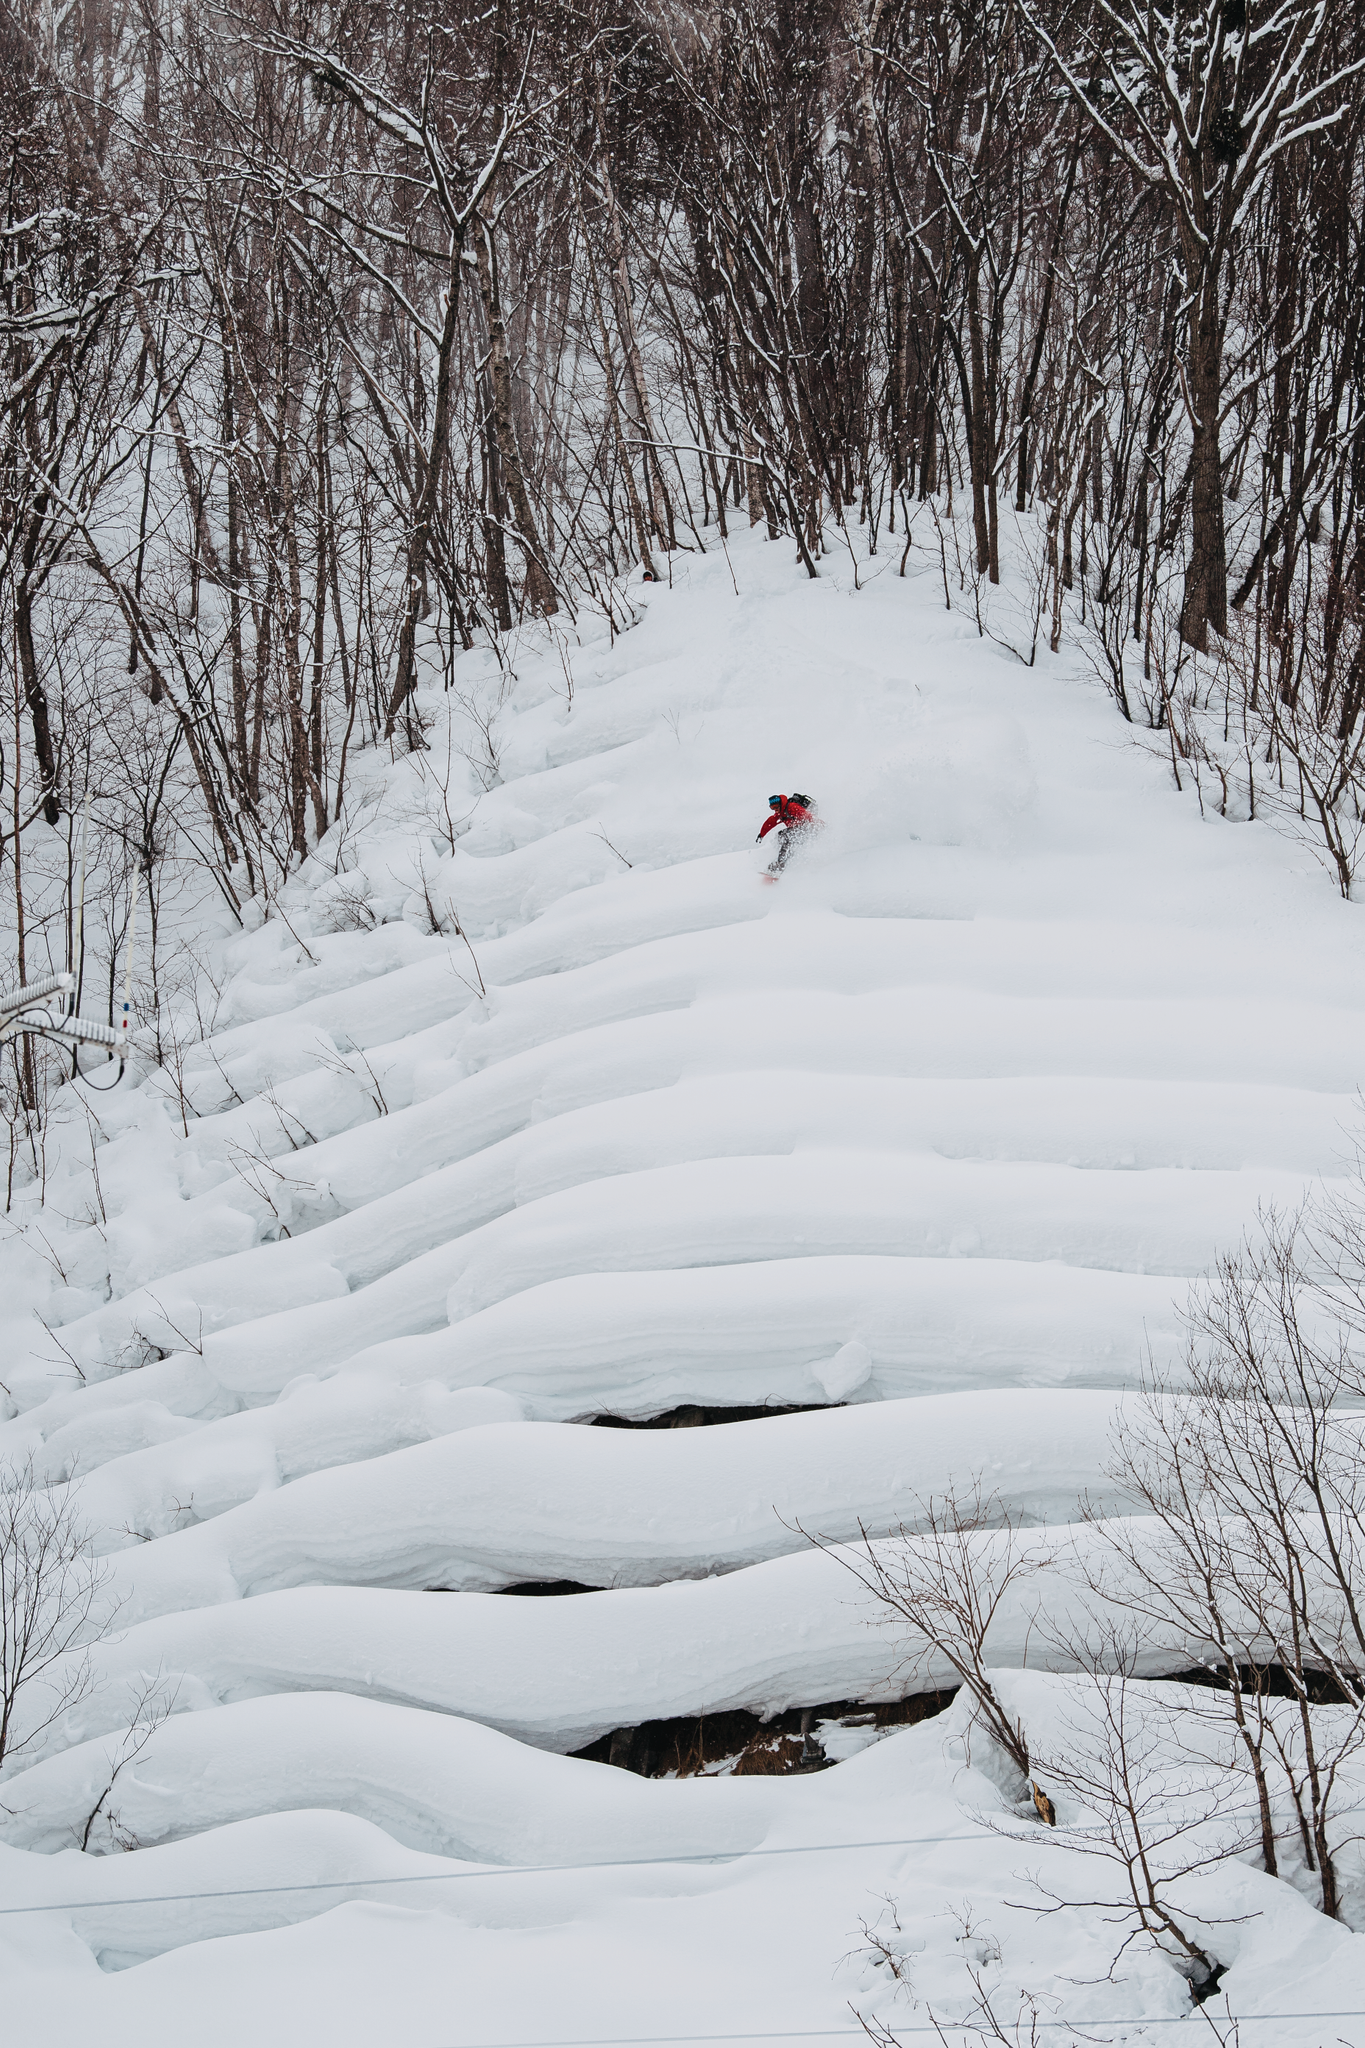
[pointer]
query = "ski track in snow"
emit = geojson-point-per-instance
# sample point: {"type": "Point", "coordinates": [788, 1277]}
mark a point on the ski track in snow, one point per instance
{"type": "Point", "coordinates": [929, 1139]}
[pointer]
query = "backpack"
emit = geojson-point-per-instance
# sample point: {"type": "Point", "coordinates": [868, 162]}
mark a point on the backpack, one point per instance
{"type": "Point", "coordinates": [807, 802]}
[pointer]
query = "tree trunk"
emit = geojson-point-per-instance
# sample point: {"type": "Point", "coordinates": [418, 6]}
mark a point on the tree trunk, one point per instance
{"type": "Point", "coordinates": [661, 509]}
{"type": "Point", "coordinates": [424, 511]}
{"type": "Point", "coordinates": [234, 539]}
{"type": "Point", "coordinates": [35, 696]}
{"type": "Point", "coordinates": [1040, 332]}
{"type": "Point", "coordinates": [315, 753]}
{"type": "Point", "coordinates": [1206, 577]}
{"type": "Point", "coordinates": [980, 425]}
{"type": "Point", "coordinates": [863, 33]}
{"type": "Point", "coordinates": [494, 545]}
{"type": "Point", "coordinates": [265, 627]}
{"type": "Point", "coordinates": [626, 327]}
{"type": "Point", "coordinates": [293, 665]}
{"type": "Point", "coordinates": [540, 590]}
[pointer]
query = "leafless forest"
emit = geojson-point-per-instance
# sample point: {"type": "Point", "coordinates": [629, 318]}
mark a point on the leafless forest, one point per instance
{"type": "Point", "coordinates": [339, 339]}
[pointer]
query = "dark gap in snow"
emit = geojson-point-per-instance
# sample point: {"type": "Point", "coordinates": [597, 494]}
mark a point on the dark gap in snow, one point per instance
{"type": "Point", "coordinates": [537, 1588]}
{"type": "Point", "coordinates": [692, 1417]}
{"type": "Point", "coordinates": [1270, 1680]}
{"type": "Point", "coordinates": [739, 1744]}
{"type": "Point", "coordinates": [1201, 1993]}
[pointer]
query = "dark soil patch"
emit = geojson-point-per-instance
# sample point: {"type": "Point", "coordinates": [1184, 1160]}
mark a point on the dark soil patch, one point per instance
{"type": "Point", "coordinates": [692, 1417]}
{"type": "Point", "coordinates": [781, 1747]}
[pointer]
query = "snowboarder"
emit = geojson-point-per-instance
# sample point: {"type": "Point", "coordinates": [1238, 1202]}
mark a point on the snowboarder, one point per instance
{"type": "Point", "coordinates": [794, 816]}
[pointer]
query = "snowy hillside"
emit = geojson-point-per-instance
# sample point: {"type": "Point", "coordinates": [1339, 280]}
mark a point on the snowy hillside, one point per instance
{"type": "Point", "coordinates": [529, 1105]}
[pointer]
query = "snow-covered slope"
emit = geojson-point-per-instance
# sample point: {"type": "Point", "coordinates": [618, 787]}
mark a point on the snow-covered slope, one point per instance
{"type": "Point", "coordinates": [936, 1130]}
{"type": "Point", "coordinates": [479, 1510]}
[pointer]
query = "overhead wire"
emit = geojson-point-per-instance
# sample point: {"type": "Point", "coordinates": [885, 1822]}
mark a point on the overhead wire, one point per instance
{"type": "Point", "coordinates": [492, 1870]}
{"type": "Point", "coordinates": [892, 2034]}
{"type": "Point", "coordinates": [721, 1858]}
{"type": "Point", "coordinates": [716, 1857]}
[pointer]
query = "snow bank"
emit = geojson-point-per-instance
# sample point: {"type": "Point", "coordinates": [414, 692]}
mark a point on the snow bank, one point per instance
{"type": "Point", "coordinates": [476, 1511]}
{"type": "Point", "coordinates": [561, 1672]}
{"type": "Point", "coordinates": [432, 1782]}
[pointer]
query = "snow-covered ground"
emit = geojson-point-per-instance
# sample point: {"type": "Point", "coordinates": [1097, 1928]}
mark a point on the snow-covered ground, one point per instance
{"type": "Point", "coordinates": [930, 1137]}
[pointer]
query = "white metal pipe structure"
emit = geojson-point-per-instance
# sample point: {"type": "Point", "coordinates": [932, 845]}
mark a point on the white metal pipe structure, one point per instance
{"type": "Point", "coordinates": [126, 1022]}
{"type": "Point", "coordinates": [79, 962]}
{"type": "Point", "coordinates": [37, 991]}
{"type": "Point", "coordinates": [47, 1007]}
{"type": "Point", "coordinates": [42, 1007]}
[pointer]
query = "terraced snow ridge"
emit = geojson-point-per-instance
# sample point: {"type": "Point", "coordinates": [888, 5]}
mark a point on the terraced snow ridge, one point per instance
{"type": "Point", "coordinates": [528, 1104]}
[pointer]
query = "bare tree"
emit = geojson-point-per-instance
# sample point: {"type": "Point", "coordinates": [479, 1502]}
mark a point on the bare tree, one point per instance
{"type": "Point", "coordinates": [1272, 1362]}
{"type": "Point", "coordinates": [152, 1704]}
{"type": "Point", "coordinates": [1150, 1797]}
{"type": "Point", "coordinates": [947, 1574]}
{"type": "Point", "coordinates": [1249, 1464]}
{"type": "Point", "coordinates": [1199, 102]}
{"type": "Point", "coordinates": [438, 139]}
{"type": "Point", "coordinates": [51, 1605]}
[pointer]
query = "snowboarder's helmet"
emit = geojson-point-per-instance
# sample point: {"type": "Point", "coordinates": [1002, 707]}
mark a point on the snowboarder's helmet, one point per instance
{"type": "Point", "coordinates": [774, 802]}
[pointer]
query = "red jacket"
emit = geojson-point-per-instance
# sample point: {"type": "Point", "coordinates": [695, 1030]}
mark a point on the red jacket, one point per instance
{"type": "Point", "coordinates": [787, 813]}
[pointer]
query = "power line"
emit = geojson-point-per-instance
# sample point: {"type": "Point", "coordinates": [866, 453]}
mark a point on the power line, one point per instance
{"type": "Point", "coordinates": [1178, 2019]}
{"type": "Point", "coordinates": [710, 1856]}
{"type": "Point", "coordinates": [346, 1884]}
{"type": "Point", "coordinates": [492, 1870]}
{"type": "Point", "coordinates": [982, 2026]}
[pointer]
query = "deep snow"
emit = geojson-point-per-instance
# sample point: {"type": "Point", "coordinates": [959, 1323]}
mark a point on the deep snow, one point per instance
{"type": "Point", "coordinates": [938, 1129]}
